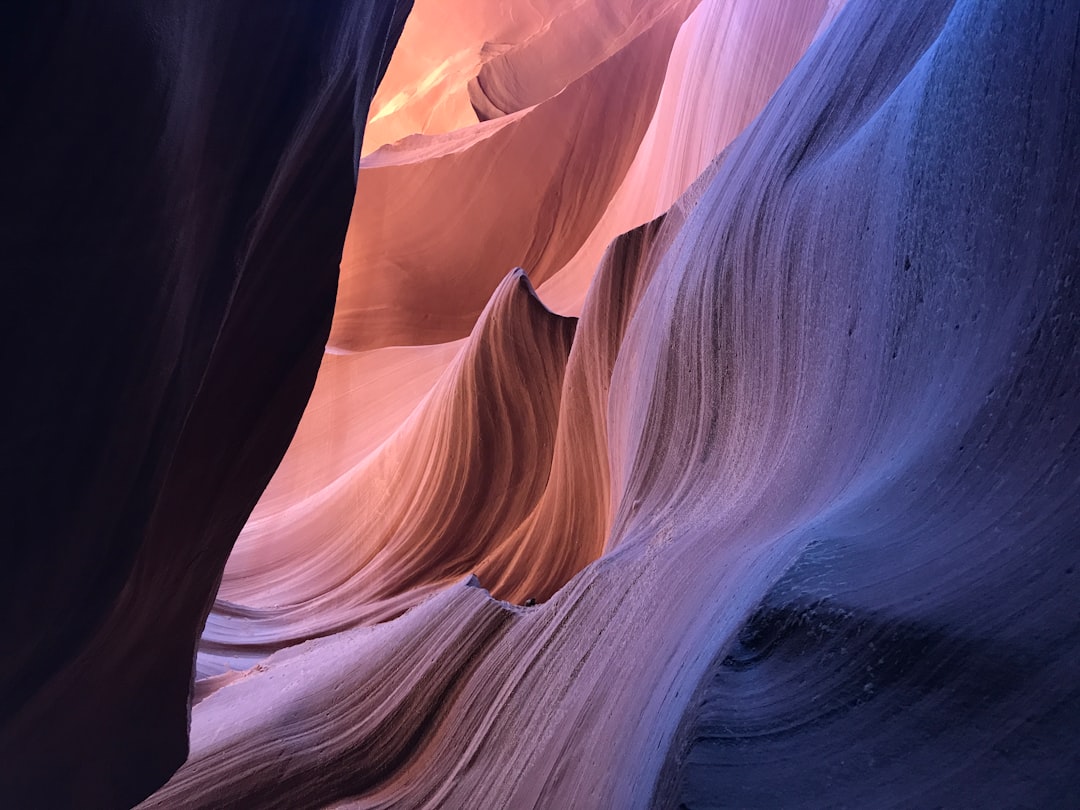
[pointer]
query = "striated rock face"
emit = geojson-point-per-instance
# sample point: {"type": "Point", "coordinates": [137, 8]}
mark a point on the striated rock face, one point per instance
{"type": "Point", "coordinates": [794, 477]}
{"type": "Point", "coordinates": [410, 220]}
{"type": "Point", "coordinates": [801, 510]}
{"type": "Point", "coordinates": [178, 183]}
{"type": "Point", "coordinates": [442, 217]}
{"type": "Point", "coordinates": [442, 494]}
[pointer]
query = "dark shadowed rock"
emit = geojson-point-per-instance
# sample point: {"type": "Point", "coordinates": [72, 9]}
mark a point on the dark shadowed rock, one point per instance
{"type": "Point", "coordinates": [177, 185]}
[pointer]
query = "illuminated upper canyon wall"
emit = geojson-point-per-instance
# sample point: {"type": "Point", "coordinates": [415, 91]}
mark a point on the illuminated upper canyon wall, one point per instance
{"type": "Point", "coordinates": [795, 492]}
{"type": "Point", "coordinates": [474, 481]}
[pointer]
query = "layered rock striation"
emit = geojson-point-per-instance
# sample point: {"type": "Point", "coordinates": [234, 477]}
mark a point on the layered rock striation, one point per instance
{"type": "Point", "coordinates": [766, 495]}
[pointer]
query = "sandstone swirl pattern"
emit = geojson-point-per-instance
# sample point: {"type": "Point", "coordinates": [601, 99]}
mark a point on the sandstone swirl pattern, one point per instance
{"type": "Point", "coordinates": [803, 525]}
{"type": "Point", "coordinates": [742, 337]}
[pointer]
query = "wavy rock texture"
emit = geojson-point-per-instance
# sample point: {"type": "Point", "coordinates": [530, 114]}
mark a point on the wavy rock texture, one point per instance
{"type": "Point", "coordinates": [362, 396]}
{"type": "Point", "coordinates": [797, 492]}
{"type": "Point", "coordinates": [307, 512]}
{"type": "Point", "coordinates": [819, 432]}
{"type": "Point", "coordinates": [489, 198]}
{"type": "Point", "coordinates": [518, 52]}
{"type": "Point", "coordinates": [595, 72]}
{"type": "Point", "coordinates": [728, 59]}
{"type": "Point", "coordinates": [176, 193]}
{"type": "Point", "coordinates": [439, 496]}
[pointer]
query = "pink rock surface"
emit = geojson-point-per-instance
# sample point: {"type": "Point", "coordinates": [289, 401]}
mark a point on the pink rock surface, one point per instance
{"type": "Point", "coordinates": [699, 111]}
{"type": "Point", "coordinates": [727, 61]}
{"type": "Point", "coordinates": [784, 516]}
{"type": "Point", "coordinates": [439, 496]}
{"type": "Point", "coordinates": [441, 218]}
{"type": "Point", "coordinates": [788, 517]}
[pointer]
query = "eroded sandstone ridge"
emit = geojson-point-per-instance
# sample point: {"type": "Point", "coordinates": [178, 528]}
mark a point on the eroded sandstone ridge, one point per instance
{"type": "Point", "coordinates": [698, 425]}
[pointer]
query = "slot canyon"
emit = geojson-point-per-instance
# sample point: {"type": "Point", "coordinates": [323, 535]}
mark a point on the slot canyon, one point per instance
{"type": "Point", "coordinates": [557, 404]}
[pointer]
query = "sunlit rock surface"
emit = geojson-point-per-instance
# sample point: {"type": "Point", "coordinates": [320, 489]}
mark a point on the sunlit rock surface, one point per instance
{"type": "Point", "coordinates": [809, 429]}
{"type": "Point", "coordinates": [698, 427]}
{"type": "Point", "coordinates": [440, 218]}
{"type": "Point", "coordinates": [413, 200]}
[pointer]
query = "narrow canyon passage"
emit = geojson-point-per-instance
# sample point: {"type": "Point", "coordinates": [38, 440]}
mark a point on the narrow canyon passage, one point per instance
{"type": "Point", "coordinates": [694, 421]}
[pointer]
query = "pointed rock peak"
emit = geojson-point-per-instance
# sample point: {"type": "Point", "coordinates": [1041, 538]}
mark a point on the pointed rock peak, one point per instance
{"type": "Point", "coordinates": [516, 297]}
